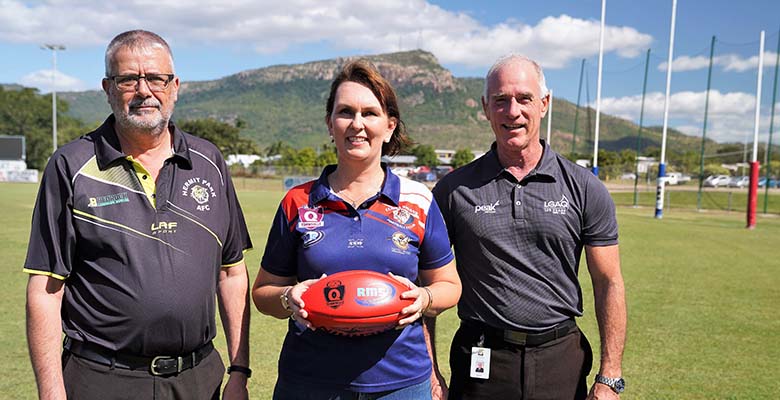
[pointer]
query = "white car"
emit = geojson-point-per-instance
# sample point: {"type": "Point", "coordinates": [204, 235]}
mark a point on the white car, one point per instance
{"type": "Point", "coordinates": [739, 181]}
{"type": "Point", "coordinates": [717, 181]}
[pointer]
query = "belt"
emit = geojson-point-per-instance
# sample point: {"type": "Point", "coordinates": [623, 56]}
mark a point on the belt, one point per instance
{"type": "Point", "coordinates": [521, 338]}
{"type": "Point", "coordinates": [160, 365]}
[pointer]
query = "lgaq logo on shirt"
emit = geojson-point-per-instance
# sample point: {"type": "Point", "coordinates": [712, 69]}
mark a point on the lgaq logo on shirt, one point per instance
{"type": "Point", "coordinates": [557, 207]}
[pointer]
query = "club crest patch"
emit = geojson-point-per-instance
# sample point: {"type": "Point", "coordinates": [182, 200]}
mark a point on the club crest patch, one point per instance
{"type": "Point", "coordinates": [403, 216]}
{"type": "Point", "coordinates": [311, 238]}
{"type": "Point", "coordinates": [199, 190]}
{"type": "Point", "coordinates": [401, 242]}
{"type": "Point", "coordinates": [310, 218]}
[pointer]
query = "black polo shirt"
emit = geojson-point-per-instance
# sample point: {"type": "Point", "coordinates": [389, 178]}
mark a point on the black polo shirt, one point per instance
{"type": "Point", "coordinates": [518, 243]}
{"type": "Point", "coordinates": [140, 261]}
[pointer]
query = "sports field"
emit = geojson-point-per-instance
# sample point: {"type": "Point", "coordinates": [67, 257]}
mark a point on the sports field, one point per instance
{"type": "Point", "coordinates": [702, 299]}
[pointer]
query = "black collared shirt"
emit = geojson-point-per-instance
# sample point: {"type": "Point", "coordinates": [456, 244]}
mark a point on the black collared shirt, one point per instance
{"type": "Point", "coordinates": [518, 243]}
{"type": "Point", "coordinates": [140, 259]}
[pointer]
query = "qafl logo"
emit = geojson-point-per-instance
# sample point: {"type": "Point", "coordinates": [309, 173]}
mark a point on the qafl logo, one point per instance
{"type": "Point", "coordinates": [334, 294]}
{"type": "Point", "coordinates": [310, 217]}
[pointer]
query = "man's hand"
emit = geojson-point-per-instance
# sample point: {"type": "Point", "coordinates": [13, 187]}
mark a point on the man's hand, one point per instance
{"type": "Point", "coordinates": [235, 389]}
{"type": "Point", "coordinates": [602, 392]}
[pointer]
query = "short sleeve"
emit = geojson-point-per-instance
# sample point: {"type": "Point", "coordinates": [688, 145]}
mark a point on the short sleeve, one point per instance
{"type": "Point", "coordinates": [280, 253]}
{"type": "Point", "coordinates": [435, 250]}
{"type": "Point", "coordinates": [237, 240]}
{"type": "Point", "coordinates": [52, 235]}
{"type": "Point", "coordinates": [600, 226]}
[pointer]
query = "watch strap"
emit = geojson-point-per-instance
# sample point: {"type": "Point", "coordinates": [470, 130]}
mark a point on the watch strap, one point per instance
{"type": "Point", "coordinates": [616, 384]}
{"type": "Point", "coordinates": [237, 368]}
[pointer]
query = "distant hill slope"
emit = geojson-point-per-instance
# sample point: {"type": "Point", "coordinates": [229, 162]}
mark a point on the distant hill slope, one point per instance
{"type": "Point", "coordinates": [287, 102]}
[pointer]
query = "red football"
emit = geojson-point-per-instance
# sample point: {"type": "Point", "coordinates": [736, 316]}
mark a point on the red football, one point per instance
{"type": "Point", "coordinates": [355, 303]}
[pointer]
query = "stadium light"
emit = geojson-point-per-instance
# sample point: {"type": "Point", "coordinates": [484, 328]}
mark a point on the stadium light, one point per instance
{"type": "Point", "coordinates": [53, 48]}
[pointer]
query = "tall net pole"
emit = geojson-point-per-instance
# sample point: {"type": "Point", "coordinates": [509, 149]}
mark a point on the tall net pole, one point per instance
{"type": "Point", "coordinates": [639, 134]}
{"type": "Point", "coordinates": [659, 194]}
{"type": "Point", "coordinates": [577, 111]}
{"type": "Point", "coordinates": [755, 166]}
{"type": "Point", "coordinates": [768, 163]}
{"type": "Point", "coordinates": [704, 130]}
{"type": "Point", "coordinates": [598, 89]}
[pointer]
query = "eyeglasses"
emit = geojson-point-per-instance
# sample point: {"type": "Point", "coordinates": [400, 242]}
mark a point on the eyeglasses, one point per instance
{"type": "Point", "coordinates": [129, 83]}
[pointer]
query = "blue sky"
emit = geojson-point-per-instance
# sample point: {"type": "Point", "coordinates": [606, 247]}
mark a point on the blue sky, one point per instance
{"type": "Point", "coordinates": [211, 40]}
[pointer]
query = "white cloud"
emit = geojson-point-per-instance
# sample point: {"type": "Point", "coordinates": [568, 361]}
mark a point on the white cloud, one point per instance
{"type": "Point", "coordinates": [43, 80]}
{"type": "Point", "coordinates": [271, 26]}
{"type": "Point", "coordinates": [728, 62]}
{"type": "Point", "coordinates": [731, 115]}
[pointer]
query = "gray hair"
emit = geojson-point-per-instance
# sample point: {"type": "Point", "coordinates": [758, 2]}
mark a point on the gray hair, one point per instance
{"type": "Point", "coordinates": [511, 58]}
{"type": "Point", "coordinates": [135, 39]}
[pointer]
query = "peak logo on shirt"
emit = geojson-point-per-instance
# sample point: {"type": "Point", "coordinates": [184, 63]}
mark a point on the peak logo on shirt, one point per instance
{"type": "Point", "coordinates": [487, 208]}
{"type": "Point", "coordinates": [557, 207]}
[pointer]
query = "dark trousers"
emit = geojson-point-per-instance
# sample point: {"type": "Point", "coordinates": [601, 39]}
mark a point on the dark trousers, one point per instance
{"type": "Point", "coordinates": [88, 380]}
{"type": "Point", "coordinates": [554, 370]}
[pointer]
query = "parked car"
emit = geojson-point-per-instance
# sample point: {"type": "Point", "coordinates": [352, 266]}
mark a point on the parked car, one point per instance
{"type": "Point", "coordinates": [676, 178]}
{"type": "Point", "coordinates": [773, 183]}
{"type": "Point", "coordinates": [739, 181]}
{"type": "Point", "coordinates": [628, 176]}
{"type": "Point", "coordinates": [717, 181]}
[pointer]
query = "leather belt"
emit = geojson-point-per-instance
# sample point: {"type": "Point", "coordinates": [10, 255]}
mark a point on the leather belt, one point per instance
{"type": "Point", "coordinates": [160, 365]}
{"type": "Point", "coordinates": [521, 338]}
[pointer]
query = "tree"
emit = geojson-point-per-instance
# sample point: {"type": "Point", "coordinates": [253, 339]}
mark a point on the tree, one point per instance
{"type": "Point", "coordinates": [276, 148]}
{"type": "Point", "coordinates": [327, 156]}
{"type": "Point", "coordinates": [26, 113]}
{"type": "Point", "coordinates": [461, 157]}
{"type": "Point", "coordinates": [225, 136]}
{"type": "Point", "coordinates": [426, 155]}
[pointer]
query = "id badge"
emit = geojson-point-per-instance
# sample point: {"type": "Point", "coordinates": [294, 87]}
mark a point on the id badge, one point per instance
{"type": "Point", "coordinates": [480, 363]}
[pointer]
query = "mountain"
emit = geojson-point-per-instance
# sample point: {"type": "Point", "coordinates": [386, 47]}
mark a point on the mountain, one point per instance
{"type": "Point", "coordinates": [287, 102]}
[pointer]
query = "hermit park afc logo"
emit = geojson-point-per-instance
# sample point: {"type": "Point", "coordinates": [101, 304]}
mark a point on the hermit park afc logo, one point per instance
{"type": "Point", "coordinates": [199, 190]}
{"type": "Point", "coordinates": [557, 207]}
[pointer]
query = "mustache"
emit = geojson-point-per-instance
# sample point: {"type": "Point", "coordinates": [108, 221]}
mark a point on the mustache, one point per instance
{"type": "Point", "coordinates": [150, 102]}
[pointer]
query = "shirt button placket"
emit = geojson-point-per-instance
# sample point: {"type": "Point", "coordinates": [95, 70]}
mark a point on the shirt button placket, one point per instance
{"type": "Point", "coordinates": [518, 202]}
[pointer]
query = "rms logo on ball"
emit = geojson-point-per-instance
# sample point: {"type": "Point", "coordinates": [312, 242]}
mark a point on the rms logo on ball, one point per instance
{"type": "Point", "coordinates": [375, 294]}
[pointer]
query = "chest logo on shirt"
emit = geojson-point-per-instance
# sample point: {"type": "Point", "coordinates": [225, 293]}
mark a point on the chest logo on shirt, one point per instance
{"type": "Point", "coordinates": [310, 218]}
{"type": "Point", "coordinates": [164, 227]}
{"type": "Point", "coordinates": [199, 190]}
{"type": "Point", "coordinates": [486, 208]}
{"type": "Point", "coordinates": [403, 216]}
{"type": "Point", "coordinates": [311, 238]}
{"type": "Point", "coordinates": [557, 207]}
{"type": "Point", "coordinates": [108, 200]}
{"type": "Point", "coordinates": [401, 242]}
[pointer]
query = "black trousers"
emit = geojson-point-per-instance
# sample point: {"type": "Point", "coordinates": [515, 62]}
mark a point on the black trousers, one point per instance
{"type": "Point", "coordinates": [89, 380]}
{"type": "Point", "coordinates": [556, 370]}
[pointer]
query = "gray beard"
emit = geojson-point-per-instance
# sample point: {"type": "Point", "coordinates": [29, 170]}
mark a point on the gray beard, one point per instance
{"type": "Point", "coordinates": [128, 122]}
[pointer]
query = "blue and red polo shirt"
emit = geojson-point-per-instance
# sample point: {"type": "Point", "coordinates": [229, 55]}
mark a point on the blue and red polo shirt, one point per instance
{"type": "Point", "coordinates": [400, 230]}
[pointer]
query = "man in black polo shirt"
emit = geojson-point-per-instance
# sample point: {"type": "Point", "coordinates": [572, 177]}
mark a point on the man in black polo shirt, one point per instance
{"type": "Point", "coordinates": [519, 218]}
{"type": "Point", "coordinates": [136, 232]}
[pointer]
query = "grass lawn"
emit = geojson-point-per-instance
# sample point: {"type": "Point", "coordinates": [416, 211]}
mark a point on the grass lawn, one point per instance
{"type": "Point", "coordinates": [702, 295]}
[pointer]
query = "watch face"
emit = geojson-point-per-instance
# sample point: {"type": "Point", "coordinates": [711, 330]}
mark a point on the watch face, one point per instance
{"type": "Point", "coordinates": [620, 385]}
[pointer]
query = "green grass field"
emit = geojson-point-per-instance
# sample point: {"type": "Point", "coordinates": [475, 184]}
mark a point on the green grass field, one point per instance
{"type": "Point", "coordinates": [702, 292]}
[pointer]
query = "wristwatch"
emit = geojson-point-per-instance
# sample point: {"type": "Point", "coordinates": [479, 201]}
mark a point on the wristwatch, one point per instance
{"type": "Point", "coordinates": [285, 299]}
{"type": "Point", "coordinates": [618, 385]}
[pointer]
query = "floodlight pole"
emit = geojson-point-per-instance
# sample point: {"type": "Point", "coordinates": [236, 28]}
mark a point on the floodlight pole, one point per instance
{"type": "Point", "coordinates": [598, 90]}
{"type": "Point", "coordinates": [53, 48]}
{"type": "Point", "coordinates": [754, 164]}
{"type": "Point", "coordinates": [659, 194]}
{"type": "Point", "coordinates": [704, 130]}
{"type": "Point", "coordinates": [768, 161]}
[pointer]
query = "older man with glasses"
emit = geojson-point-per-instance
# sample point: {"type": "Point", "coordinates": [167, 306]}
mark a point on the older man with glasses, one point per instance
{"type": "Point", "coordinates": [136, 232]}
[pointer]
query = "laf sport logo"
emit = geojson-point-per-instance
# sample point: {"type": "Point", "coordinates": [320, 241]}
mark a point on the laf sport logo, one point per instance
{"type": "Point", "coordinates": [374, 295]}
{"type": "Point", "coordinates": [164, 227]}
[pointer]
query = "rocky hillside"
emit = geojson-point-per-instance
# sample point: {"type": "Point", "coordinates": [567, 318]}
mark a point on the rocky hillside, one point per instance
{"type": "Point", "coordinates": [287, 102]}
